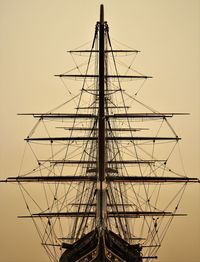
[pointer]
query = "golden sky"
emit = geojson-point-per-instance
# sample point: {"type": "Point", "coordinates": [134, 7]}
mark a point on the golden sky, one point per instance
{"type": "Point", "coordinates": [34, 38]}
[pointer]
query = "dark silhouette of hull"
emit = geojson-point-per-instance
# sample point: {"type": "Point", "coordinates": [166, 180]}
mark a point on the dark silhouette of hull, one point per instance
{"type": "Point", "coordinates": [101, 246]}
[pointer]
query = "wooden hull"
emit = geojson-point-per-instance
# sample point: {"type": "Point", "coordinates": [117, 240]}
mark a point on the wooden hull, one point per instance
{"type": "Point", "coordinates": [101, 246]}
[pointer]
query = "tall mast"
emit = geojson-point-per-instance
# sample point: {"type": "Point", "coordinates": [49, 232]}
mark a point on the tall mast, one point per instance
{"type": "Point", "coordinates": [101, 205]}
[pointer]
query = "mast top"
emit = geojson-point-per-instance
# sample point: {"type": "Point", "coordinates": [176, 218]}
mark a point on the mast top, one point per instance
{"type": "Point", "coordinates": [101, 14]}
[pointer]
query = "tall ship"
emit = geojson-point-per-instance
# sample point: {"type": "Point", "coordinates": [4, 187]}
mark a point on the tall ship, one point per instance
{"type": "Point", "coordinates": [103, 183]}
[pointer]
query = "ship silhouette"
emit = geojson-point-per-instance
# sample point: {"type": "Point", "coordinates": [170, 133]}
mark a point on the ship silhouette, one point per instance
{"type": "Point", "coordinates": [103, 186]}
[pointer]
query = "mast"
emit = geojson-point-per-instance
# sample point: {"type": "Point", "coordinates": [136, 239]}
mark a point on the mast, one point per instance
{"type": "Point", "coordinates": [101, 198]}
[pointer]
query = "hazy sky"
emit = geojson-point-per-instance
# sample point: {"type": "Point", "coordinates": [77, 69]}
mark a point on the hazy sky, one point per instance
{"type": "Point", "coordinates": [34, 38]}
